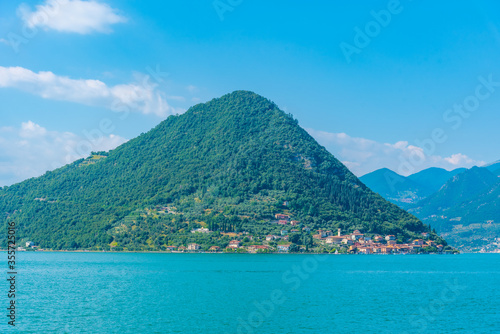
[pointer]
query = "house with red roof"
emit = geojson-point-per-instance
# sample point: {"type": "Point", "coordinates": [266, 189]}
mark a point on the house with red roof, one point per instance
{"type": "Point", "coordinates": [234, 244]}
{"type": "Point", "coordinates": [214, 249]}
{"type": "Point", "coordinates": [257, 248]}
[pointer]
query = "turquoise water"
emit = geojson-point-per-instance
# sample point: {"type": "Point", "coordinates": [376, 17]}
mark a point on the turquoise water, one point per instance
{"type": "Point", "coordinates": [224, 293]}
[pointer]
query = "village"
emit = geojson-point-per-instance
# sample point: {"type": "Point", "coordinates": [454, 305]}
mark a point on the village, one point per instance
{"type": "Point", "coordinates": [324, 240]}
{"type": "Point", "coordinates": [285, 241]}
{"type": "Point", "coordinates": [354, 243]}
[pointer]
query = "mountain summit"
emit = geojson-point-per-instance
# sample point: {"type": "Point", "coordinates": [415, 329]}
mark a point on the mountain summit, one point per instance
{"type": "Point", "coordinates": [230, 165]}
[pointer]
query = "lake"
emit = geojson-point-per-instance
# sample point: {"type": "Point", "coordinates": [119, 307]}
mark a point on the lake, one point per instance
{"type": "Point", "coordinates": [61, 292]}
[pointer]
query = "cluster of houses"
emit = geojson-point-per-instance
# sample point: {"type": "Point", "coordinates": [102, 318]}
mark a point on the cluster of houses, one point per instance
{"type": "Point", "coordinates": [357, 242]}
{"type": "Point", "coordinates": [282, 219]}
{"type": "Point", "coordinates": [234, 245]}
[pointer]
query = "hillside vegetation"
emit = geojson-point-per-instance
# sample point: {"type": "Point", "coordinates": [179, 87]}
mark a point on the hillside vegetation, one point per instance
{"type": "Point", "coordinates": [230, 164]}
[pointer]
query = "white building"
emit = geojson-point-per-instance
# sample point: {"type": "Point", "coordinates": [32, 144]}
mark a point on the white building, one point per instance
{"type": "Point", "coordinates": [193, 247]}
{"type": "Point", "coordinates": [201, 230]}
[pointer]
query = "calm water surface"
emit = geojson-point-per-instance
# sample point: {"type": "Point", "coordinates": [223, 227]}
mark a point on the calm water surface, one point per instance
{"type": "Point", "coordinates": [224, 293]}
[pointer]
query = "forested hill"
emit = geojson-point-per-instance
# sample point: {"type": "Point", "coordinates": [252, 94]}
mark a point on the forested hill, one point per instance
{"type": "Point", "coordinates": [230, 164]}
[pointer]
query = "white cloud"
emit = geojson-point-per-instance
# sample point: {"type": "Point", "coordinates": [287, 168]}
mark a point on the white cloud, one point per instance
{"type": "Point", "coordinates": [30, 150]}
{"type": "Point", "coordinates": [362, 155]}
{"type": "Point", "coordinates": [74, 16]}
{"type": "Point", "coordinates": [141, 97]}
{"type": "Point", "coordinates": [192, 89]}
{"type": "Point", "coordinates": [460, 159]}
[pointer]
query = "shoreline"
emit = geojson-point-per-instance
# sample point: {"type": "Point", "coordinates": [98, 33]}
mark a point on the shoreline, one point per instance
{"type": "Point", "coordinates": [275, 253]}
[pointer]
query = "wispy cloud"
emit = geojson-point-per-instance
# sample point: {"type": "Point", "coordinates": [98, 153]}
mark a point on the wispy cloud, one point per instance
{"type": "Point", "coordinates": [192, 89]}
{"type": "Point", "coordinates": [30, 150]}
{"type": "Point", "coordinates": [362, 155]}
{"type": "Point", "coordinates": [140, 97]}
{"type": "Point", "coordinates": [460, 159]}
{"type": "Point", "coordinates": [73, 16]}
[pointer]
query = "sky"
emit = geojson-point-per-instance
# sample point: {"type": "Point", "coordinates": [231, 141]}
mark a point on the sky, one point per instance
{"type": "Point", "coordinates": [404, 85]}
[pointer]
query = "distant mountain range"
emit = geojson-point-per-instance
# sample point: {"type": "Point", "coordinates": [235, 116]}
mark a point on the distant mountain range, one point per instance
{"type": "Point", "coordinates": [463, 205]}
{"type": "Point", "coordinates": [406, 191]}
{"type": "Point", "coordinates": [462, 188]}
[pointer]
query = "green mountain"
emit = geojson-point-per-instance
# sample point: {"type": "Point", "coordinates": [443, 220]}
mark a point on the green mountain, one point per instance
{"type": "Point", "coordinates": [229, 165]}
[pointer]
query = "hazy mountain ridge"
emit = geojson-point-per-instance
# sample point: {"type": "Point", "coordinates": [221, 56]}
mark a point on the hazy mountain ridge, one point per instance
{"type": "Point", "coordinates": [406, 191]}
{"type": "Point", "coordinates": [494, 167]}
{"type": "Point", "coordinates": [458, 191]}
{"type": "Point", "coordinates": [465, 209]}
{"type": "Point", "coordinates": [434, 178]}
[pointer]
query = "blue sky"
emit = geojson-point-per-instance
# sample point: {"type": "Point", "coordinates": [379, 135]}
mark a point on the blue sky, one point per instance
{"type": "Point", "coordinates": [77, 76]}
